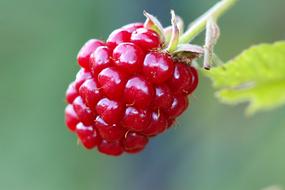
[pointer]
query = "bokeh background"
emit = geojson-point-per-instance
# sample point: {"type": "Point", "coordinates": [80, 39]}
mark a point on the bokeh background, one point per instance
{"type": "Point", "coordinates": [212, 147]}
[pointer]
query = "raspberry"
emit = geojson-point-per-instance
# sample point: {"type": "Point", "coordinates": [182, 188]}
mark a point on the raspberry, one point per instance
{"type": "Point", "coordinates": [128, 90]}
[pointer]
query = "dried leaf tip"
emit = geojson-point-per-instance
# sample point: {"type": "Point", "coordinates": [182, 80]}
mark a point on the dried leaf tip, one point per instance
{"type": "Point", "coordinates": [174, 40]}
{"type": "Point", "coordinates": [153, 23]}
{"type": "Point", "coordinates": [212, 36]}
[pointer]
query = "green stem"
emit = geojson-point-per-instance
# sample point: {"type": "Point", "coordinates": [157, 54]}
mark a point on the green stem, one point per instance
{"type": "Point", "coordinates": [199, 25]}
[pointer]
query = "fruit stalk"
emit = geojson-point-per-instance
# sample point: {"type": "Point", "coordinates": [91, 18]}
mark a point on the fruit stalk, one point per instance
{"type": "Point", "coordinates": [199, 25]}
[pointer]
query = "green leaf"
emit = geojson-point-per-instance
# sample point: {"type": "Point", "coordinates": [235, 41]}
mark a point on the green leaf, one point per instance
{"type": "Point", "coordinates": [256, 76]}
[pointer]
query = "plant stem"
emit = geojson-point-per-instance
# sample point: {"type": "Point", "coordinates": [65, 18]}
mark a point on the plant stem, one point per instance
{"type": "Point", "coordinates": [199, 25]}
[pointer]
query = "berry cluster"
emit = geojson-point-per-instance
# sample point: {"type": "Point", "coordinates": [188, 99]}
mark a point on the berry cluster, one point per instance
{"type": "Point", "coordinates": [126, 91]}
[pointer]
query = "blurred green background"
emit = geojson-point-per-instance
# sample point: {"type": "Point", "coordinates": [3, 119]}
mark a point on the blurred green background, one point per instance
{"type": "Point", "coordinates": [213, 147]}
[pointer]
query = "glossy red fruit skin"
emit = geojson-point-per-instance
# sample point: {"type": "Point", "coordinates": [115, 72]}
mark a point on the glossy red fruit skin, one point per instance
{"type": "Point", "coordinates": [118, 36]}
{"type": "Point", "coordinates": [185, 79]}
{"type": "Point", "coordinates": [110, 110]}
{"type": "Point", "coordinates": [157, 125]}
{"type": "Point", "coordinates": [136, 119]}
{"type": "Point", "coordinates": [134, 142]}
{"type": "Point", "coordinates": [146, 38]}
{"type": "Point", "coordinates": [179, 105]}
{"type": "Point", "coordinates": [112, 82]}
{"type": "Point", "coordinates": [195, 79]}
{"type": "Point", "coordinates": [81, 77]}
{"type": "Point", "coordinates": [83, 112]}
{"type": "Point", "coordinates": [128, 57]}
{"type": "Point", "coordinates": [170, 122]}
{"type": "Point", "coordinates": [71, 93]}
{"type": "Point", "coordinates": [112, 148]}
{"type": "Point", "coordinates": [88, 48]}
{"type": "Point", "coordinates": [133, 26]}
{"type": "Point", "coordinates": [127, 90]}
{"type": "Point", "coordinates": [158, 67]}
{"type": "Point", "coordinates": [163, 97]}
{"type": "Point", "coordinates": [181, 82]}
{"type": "Point", "coordinates": [71, 118]}
{"type": "Point", "coordinates": [87, 135]}
{"type": "Point", "coordinates": [109, 132]}
{"type": "Point", "coordinates": [100, 59]}
{"type": "Point", "coordinates": [138, 92]}
{"type": "Point", "coordinates": [90, 93]}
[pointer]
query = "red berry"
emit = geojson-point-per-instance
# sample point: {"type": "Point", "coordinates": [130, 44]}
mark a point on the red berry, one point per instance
{"type": "Point", "coordinates": [127, 90]}
{"type": "Point", "coordinates": [138, 92]}
{"type": "Point", "coordinates": [163, 97]}
{"type": "Point", "coordinates": [71, 93]}
{"type": "Point", "coordinates": [85, 52]}
{"type": "Point", "coordinates": [71, 118]}
{"type": "Point", "coordinates": [136, 119]}
{"type": "Point", "coordinates": [87, 135]}
{"type": "Point", "coordinates": [179, 105]}
{"type": "Point", "coordinates": [84, 113]}
{"type": "Point", "coordinates": [81, 77]}
{"type": "Point", "coordinates": [129, 57]}
{"type": "Point", "coordinates": [133, 26]}
{"type": "Point", "coordinates": [110, 132]}
{"type": "Point", "coordinates": [90, 93]}
{"type": "Point", "coordinates": [157, 125]}
{"type": "Point", "coordinates": [113, 148]}
{"type": "Point", "coordinates": [110, 110]}
{"type": "Point", "coordinates": [112, 82]}
{"type": "Point", "coordinates": [181, 82]}
{"type": "Point", "coordinates": [158, 67]}
{"type": "Point", "coordinates": [134, 142]}
{"type": "Point", "coordinates": [180, 78]}
{"type": "Point", "coordinates": [145, 38]}
{"type": "Point", "coordinates": [117, 37]}
{"type": "Point", "coordinates": [100, 59]}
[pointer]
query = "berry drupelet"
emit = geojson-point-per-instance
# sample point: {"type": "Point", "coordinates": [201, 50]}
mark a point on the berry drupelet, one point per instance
{"type": "Point", "coordinates": [128, 90]}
